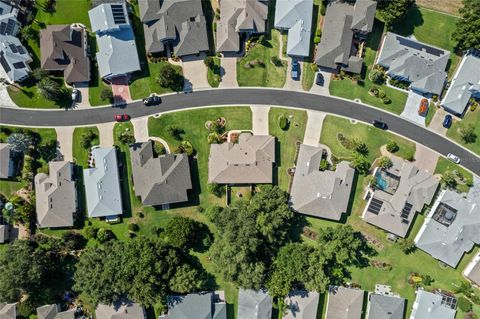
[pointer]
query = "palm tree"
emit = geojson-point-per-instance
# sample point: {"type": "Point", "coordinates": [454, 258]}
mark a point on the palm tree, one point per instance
{"type": "Point", "coordinates": [49, 89]}
{"type": "Point", "coordinates": [39, 74]}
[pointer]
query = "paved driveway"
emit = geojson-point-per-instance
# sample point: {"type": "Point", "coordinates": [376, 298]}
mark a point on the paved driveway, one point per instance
{"type": "Point", "coordinates": [411, 108]}
{"type": "Point", "coordinates": [140, 129]}
{"type": "Point", "coordinates": [195, 73]}
{"type": "Point", "coordinates": [291, 84]}
{"type": "Point", "coordinates": [323, 88]}
{"type": "Point", "coordinates": [425, 158]}
{"type": "Point", "coordinates": [106, 134]}
{"type": "Point", "coordinates": [314, 127]}
{"type": "Point", "coordinates": [228, 71]}
{"type": "Point", "coordinates": [83, 101]}
{"type": "Point", "coordinates": [5, 99]}
{"type": "Point", "coordinates": [436, 124]}
{"type": "Point", "coordinates": [121, 91]}
{"type": "Point", "coordinates": [64, 142]}
{"type": "Point", "coordinates": [260, 119]}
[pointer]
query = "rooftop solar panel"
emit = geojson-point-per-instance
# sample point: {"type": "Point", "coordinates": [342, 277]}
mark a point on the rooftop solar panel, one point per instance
{"type": "Point", "coordinates": [13, 48]}
{"type": "Point", "coordinates": [375, 206]}
{"type": "Point", "coordinates": [118, 14]}
{"type": "Point", "coordinates": [3, 27]}
{"type": "Point", "coordinates": [19, 65]}
{"type": "Point", "coordinates": [419, 46]}
{"type": "Point", "coordinates": [20, 49]}
{"type": "Point", "coordinates": [4, 63]}
{"type": "Point", "coordinates": [10, 26]}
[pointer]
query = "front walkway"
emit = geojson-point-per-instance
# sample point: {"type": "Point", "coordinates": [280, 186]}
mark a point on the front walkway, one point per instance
{"type": "Point", "coordinates": [323, 88]}
{"type": "Point", "coordinates": [228, 71]}
{"type": "Point", "coordinates": [121, 91]}
{"type": "Point", "coordinates": [106, 134]}
{"type": "Point", "coordinates": [260, 119]}
{"type": "Point", "coordinates": [425, 158]}
{"type": "Point", "coordinates": [314, 127]}
{"type": "Point", "coordinates": [64, 142]}
{"type": "Point", "coordinates": [410, 111]}
{"type": "Point", "coordinates": [436, 124]}
{"type": "Point", "coordinates": [140, 129]}
{"type": "Point", "coordinates": [195, 73]}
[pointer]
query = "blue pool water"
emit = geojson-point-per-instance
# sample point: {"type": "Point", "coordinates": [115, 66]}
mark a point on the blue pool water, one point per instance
{"type": "Point", "coordinates": [381, 182]}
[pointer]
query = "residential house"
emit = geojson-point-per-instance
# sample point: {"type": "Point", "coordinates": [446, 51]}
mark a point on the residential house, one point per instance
{"type": "Point", "coordinates": [345, 28]}
{"type": "Point", "coordinates": [9, 24]}
{"type": "Point", "coordinates": [14, 58]}
{"type": "Point", "coordinates": [385, 307]}
{"type": "Point", "coordinates": [56, 196]}
{"type": "Point", "coordinates": [4, 226]}
{"type": "Point", "coordinates": [102, 185]}
{"type": "Point", "coordinates": [472, 271]}
{"type": "Point", "coordinates": [238, 20]}
{"type": "Point", "coordinates": [22, 9]}
{"type": "Point", "coordinates": [323, 194]}
{"type": "Point", "coordinates": [250, 161]}
{"type": "Point", "coordinates": [117, 52]}
{"type": "Point", "coordinates": [63, 48]}
{"type": "Point", "coordinates": [8, 310]}
{"type": "Point", "coordinates": [254, 304]}
{"type": "Point", "coordinates": [6, 162]}
{"type": "Point", "coordinates": [301, 305]}
{"type": "Point", "coordinates": [401, 191]}
{"type": "Point", "coordinates": [429, 305]}
{"type": "Point", "coordinates": [120, 310]}
{"type": "Point", "coordinates": [296, 17]}
{"type": "Point", "coordinates": [159, 180]}
{"type": "Point", "coordinates": [344, 303]}
{"type": "Point", "coordinates": [180, 24]}
{"type": "Point", "coordinates": [207, 305]}
{"type": "Point", "coordinates": [54, 312]}
{"type": "Point", "coordinates": [451, 228]}
{"type": "Point", "coordinates": [420, 64]}
{"type": "Point", "coordinates": [465, 84]}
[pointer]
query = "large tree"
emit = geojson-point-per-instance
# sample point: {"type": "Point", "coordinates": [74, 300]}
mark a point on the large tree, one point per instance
{"type": "Point", "coordinates": [170, 77]}
{"type": "Point", "coordinates": [49, 89]}
{"type": "Point", "coordinates": [467, 32]}
{"type": "Point", "coordinates": [393, 11]}
{"type": "Point", "coordinates": [185, 232]}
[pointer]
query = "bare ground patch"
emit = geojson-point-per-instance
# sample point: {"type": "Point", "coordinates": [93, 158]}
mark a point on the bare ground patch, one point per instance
{"type": "Point", "coordinates": [447, 6]}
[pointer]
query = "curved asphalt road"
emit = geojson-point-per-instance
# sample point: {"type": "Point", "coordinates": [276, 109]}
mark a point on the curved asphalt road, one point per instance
{"type": "Point", "coordinates": [30, 117]}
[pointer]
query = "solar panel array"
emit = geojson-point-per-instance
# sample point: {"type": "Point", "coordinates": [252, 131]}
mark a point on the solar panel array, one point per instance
{"type": "Point", "coordinates": [4, 63]}
{"type": "Point", "coordinates": [419, 46]}
{"type": "Point", "coordinates": [406, 210]}
{"type": "Point", "coordinates": [19, 65]}
{"type": "Point", "coordinates": [375, 206]}
{"type": "Point", "coordinates": [7, 27]}
{"type": "Point", "coordinates": [118, 14]}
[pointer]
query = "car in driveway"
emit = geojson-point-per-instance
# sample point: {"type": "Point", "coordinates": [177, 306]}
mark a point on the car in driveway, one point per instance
{"type": "Point", "coordinates": [447, 121]}
{"type": "Point", "coordinates": [122, 117]}
{"type": "Point", "coordinates": [319, 80]}
{"type": "Point", "coordinates": [379, 124]}
{"type": "Point", "coordinates": [153, 99]}
{"type": "Point", "coordinates": [423, 108]}
{"type": "Point", "coordinates": [295, 69]}
{"type": "Point", "coordinates": [75, 94]}
{"type": "Point", "coordinates": [453, 158]}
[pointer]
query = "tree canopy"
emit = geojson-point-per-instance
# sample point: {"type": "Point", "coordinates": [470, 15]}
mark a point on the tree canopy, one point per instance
{"type": "Point", "coordinates": [185, 233]}
{"type": "Point", "coordinates": [467, 33]}
{"type": "Point", "coordinates": [393, 11]}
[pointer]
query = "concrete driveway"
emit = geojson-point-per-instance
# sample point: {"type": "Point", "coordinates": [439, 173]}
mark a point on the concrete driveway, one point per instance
{"type": "Point", "coordinates": [83, 101]}
{"type": "Point", "coordinates": [436, 124]}
{"type": "Point", "coordinates": [323, 87]}
{"type": "Point", "coordinates": [228, 71]}
{"type": "Point", "coordinates": [314, 127]}
{"type": "Point", "coordinates": [291, 84]}
{"type": "Point", "coordinates": [195, 73]}
{"type": "Point", "coordinates": [106, 134]}
{"type": "Point", "coordinates": [260, 119]}
{"type": "Point", "coordinates": [121, 91]}
{"type": "Point", "coordinates": [5, 99]}
{"type": "Point", "coordinates": [411, 108]}
{"type": "Point", "coordinates": [64, 142]}
{"type": "Point", "coordinates": [140, 129]}
{"type": "Point", "coordinates": [425, 158]}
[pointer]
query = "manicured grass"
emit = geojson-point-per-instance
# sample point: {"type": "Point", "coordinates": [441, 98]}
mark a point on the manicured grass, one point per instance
{"type": "Point", "coordinates": [472, 118]}
{"type": "Point", "coordinates": [80, 155]}
{"type": "Point", "coordinates": [308, 75]}
{"type": "Point", "coordinates": [238, 193]}
{"type": "Point", "coordinates": [193, 123]}
{"type": "Point", "coordinates": [66, 12]}
{"type": "Point", "coordinates": [432, 109]}
{"type": "Point", "coordinates": [213, 74]}
{"type": "Point", "coordinates": [359, 90]}
{"type": "Point", "coordinates": [431, 27]}
{"type": "Point", "coordinates": [444, 165]}
{"type": "Point", "coordinates": [27, 96]}
{"type": "Point", "coordinates": [285, 145]}
{"type": "Point", "coordinates": [269, 74]}
{"type": "Point", "coordinates": [10, 187]}
{"type": "Point", "coordinates": [146, 83]}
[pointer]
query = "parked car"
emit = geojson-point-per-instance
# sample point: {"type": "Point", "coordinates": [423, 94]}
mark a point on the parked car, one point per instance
{"type": "Point", "coordinates": [423, 109]}
{"type": "Point", "coordinates": [453, 158]}
{"type": "Point", "coordinates": [319, 80]}
{"type": "Point", "coordinates": [122, 117]}
{"type": "Point", "coordinates": [447, 121]}
{"type": "Point", "coordinates": [379, 124]}
{"type": "Point", "coordinates": [75, 94]}
{"type": "Point", "coordinates": [152, 100]}
{"type": "Point", "coordinates": [295, 69]}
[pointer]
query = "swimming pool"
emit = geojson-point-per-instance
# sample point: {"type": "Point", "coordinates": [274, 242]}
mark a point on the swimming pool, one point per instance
{"type": "Point", "coordinates": [382, 183]}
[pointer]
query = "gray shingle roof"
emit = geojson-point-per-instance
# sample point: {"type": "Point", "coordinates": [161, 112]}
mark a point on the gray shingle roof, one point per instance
{"type": "Point", "coordinates": [14, 58]}
{"type": "Point", "coordinates": [117, 52]}
{"type": "Point", "coordinates": [54, 312]}
{"type": "Point", "coordinates": [250, 161]}
{"type": "Point", "coordinates": [421, 64]}
{"type": "Point", "coordinates": [344, 303]}
{"type": "Point", "coordinates": [429, 306]}
{"type": "Point", "coordinates": [180, 21]}
{"type": "Point", "coordinates": [465, 84]}
{"type": "Point", "coordinates": [56, 196]}
{"type": "Point", "coordinates": [320, 194]}
{"type": "Point", "coordinates": [302, 304]}
{"type": "Point", "coordinates": [6, 164]}
{"type": "Point", "coordinates": [162, 180]}
{"type": "Point", "coordinates": [447, 236]}
{"type": "Point", "coordinates": [63, 47]}
{"type": "Point", "coordinates": [342, 21]}
{"type": "Point", "coordinates": [196, 306]}
{"type": "Point", "coordinates": [254, 304]}
{"type": "Point", "coordinates": [237, 16]}
{"type": "Point", "coordinates": [386, 307]}
{"type": "Point", "coordinates": [120, 310]}
{"type": "Point", "coordinates": [102, 186]}
{"type": "Point", "coordinates": [296, 17]}
{"type": "Point", "coordinates": [8, 311]}
{"type": "Point", "coordinates": [415, 189]}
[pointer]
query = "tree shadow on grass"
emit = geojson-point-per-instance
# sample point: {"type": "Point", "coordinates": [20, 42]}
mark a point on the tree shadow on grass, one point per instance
{"type": "Point", "coordinates": [407, 25]}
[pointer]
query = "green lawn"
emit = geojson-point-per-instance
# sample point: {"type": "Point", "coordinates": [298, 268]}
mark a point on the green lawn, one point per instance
{"type": "Point", "coordinates": [285, 147]}
{"type": "Point", "coordinates": [432, 109]}
{"type": "Point", "coordinates": [66, 12]}
{"type": "Point", "coordinates": [262, 75]}
{"type": "Point", "coordinates": [146, 83]}
{"type": "Point", "coordinates": [10, 187]}
{"type": "Point", "coordinates": [80, 155]}
{"type": "Point", "coordinates": [359, 90]}
{"type": "Point", "coordinates": [472, 118]}
{"type": "Point", "coordinates": [444, 165]}
{"type": "Point", "coordinates": [238, 193]}
{"type": "Point", "coordinates": [27, 96]}
{"type": "Point", "coordinates": [213, 74]}
{"type": "Point", "coordinates": [431, 27]}
{"type": "Point", "coordinates": [308, 75]}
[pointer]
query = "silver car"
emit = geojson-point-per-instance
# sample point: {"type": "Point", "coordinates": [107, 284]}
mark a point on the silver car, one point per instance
{"type": "Point", "coordinates": [453, 158]}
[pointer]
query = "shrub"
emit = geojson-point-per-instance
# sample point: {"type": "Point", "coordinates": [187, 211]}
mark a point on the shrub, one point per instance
{"type": "Point", "coordinates": [214, 138]}
{"type": "Point", "coordinates": [381, 94]}
{"type": "Point", "coordinates": [140, 215]}
{"type": "Point", "coordinates": [185, 147]}
{"type": "Point", "coordinates": [283, 122]}
{"type": "Point", "coordinates": [106, 95]}
{"type": "Point", "coordinates": [216, 189]}
{"type": "Point", "coordinates": [133, 227]}
{"type": "Point", "coordinates": [324, 165]}
{"type": "Point", "coordinates": [385, 162]}
{"type": "Point", "coordinates": [87, 138]}
{"type": "Point", "coordinates": [159, 149]}
{"type": "Point", "coordinates": [468, 134]}
{"type": "Point", "coordinates": [316, 40]}
{"type": "Point", "coordinates": [373, 90]}
{"type": "Point", "coordinates": [386, 100]}
{"type": "Point", "coordinates": [407, 246]}
{"type": "Point", "coordinates": [208, 61]}
{"type": "Point", "coordinates": [276, 61]}
{"type": "Point", "coordinates": [175, 131]}
{"type": "Point", "coordinates": [126, 138]}
{"type": "Point", "coordinates": [392, 147]}
{"type": "Point", "coordinates": [464, 304]}
{"type": "Point", "coordinates": [104, 235]}
{"type": "Point", "coordinates": [212, 213]}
